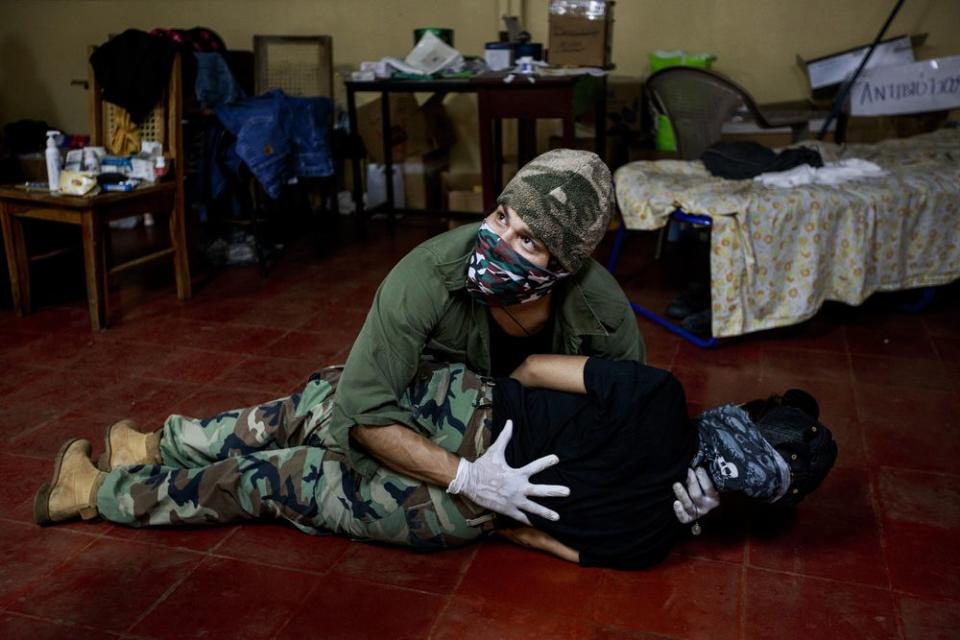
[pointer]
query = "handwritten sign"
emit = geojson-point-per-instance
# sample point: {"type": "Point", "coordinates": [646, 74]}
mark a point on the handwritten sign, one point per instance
{"type": "Point", "coordinates": [930, 85]}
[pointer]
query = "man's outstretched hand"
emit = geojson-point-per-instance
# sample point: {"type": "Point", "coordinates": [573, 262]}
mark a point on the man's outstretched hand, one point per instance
{"type": "Point", "coordinates": [491, 483]}
{"type": "Point", "coordinates": [697, 499]}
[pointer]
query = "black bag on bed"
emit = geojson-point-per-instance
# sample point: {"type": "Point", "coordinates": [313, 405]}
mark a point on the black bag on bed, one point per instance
{"type": "Point", "coordinates": [744, 160]}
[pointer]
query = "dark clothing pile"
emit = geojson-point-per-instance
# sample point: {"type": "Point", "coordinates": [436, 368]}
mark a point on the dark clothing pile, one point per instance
{"type": "Point", "coordinates": [743, 160]}
{"type": "Point", "coordinates": [621, 447]}
{"type": "Point", "coordinates": [198, 39]}
{"type": "Point", "coordinates": [133, 69]}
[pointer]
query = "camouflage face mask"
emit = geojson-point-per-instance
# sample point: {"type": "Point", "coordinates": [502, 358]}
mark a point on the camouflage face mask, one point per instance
{"type": "Point", "coordinates": [498, 275]}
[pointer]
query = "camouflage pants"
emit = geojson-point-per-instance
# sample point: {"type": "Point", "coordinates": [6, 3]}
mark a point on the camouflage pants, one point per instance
{"type": "Point", "coordinates": [277, 461]}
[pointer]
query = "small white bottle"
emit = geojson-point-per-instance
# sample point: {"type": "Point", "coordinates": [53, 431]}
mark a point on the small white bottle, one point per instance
{"type": "Point", "coordinates": [53, 161]}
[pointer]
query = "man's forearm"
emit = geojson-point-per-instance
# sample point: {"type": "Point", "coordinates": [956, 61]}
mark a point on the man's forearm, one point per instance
{"type": "Point", "coordinates": [408, 452]}
{"type": "Point", "coordinates": [557, 372]}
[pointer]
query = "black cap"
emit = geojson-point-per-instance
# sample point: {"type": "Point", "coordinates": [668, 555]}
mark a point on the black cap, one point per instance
{"type": "Point", "coordinates": [806, 445]}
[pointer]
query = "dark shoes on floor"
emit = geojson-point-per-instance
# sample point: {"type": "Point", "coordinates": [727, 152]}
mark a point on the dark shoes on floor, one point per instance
{"type": "Point", "coordinates": [694, 299]}
{"type": "Point", "coordinates": [796, 398]}
{"type": "Point", "coordinates": [692, 308]}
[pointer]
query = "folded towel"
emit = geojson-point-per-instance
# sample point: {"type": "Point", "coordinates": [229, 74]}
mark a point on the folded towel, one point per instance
{"type": "Point", "coordinates": [831, 173]}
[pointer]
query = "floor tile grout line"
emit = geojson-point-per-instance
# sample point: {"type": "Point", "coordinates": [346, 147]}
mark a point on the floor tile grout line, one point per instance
{"type": "Point", "coordinates": [929, 472]}
{"type": "Point", "coordinates": [874, 496]}
{"type": "Point", "coordinates": [283, 625]}
{"type": "Point", "coordinates": [59, 622]}
{"type": "Point", "coordinates": [742, 604]}
{"type": "Point", "coordinates": [230, 534]}
{"type": "Point", "coordinates": [453, 592]}
{"type": "Point", "coordinates": [810, 576]}
{"type": "Point", "coordinates": [878, 514]}
{"type": "Point", "coordinates": [367, 581]}
{"type": "Point", "coordinates": [28, 588]}
{"type": "Point", "coordinates": [926, 597]}
{"type": "Point", "coordinates": [52, 528]}
{"type": "Point", "coordinates": [448, 599]}
{"type": "Point", "coordinates": [263, 563]}
{"type": "Point", "coordinates": [165, 595]}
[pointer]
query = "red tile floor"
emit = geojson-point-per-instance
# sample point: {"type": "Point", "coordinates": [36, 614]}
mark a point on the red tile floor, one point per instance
{"type": "Point", "coordinates": [873, 554]}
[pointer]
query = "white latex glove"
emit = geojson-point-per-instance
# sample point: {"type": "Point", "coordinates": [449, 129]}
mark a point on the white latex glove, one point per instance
{"type": "Point", "coordinates": [698, 499]}
{"type": "Point", "coordinates": [493, 484]}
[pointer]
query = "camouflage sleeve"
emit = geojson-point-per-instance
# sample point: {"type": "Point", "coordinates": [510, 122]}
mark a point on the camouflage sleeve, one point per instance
{"type": "Point", "coordinates": [385, 356]}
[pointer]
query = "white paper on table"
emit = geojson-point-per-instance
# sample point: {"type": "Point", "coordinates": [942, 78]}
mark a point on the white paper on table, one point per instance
{"type": "Point", "coordinates": [431, 54]}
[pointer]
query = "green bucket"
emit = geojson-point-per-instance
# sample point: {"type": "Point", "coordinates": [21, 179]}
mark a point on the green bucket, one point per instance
{"type": "Point", "coordinates": [444, 34]}
{"type": "Point", "coordinates": [665, 139]}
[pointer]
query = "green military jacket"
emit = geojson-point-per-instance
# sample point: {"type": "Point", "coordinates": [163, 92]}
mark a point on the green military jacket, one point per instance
{"type": "Point", "coordinates": [422, 309]}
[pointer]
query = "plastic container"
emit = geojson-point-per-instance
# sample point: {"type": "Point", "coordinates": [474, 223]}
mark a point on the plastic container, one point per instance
{"type": "Point", "coordinates": [665, 139]}
{"type": "Point", "coordinates": [531, 49]}
{"type": "Point", "coordinates": [52, 155]}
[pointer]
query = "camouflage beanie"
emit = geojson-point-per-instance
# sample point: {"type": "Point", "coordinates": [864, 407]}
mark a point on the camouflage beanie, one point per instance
{"type": "Point", "coordinates": [566, 198]}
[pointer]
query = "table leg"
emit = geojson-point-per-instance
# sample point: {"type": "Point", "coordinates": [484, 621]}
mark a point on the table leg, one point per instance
{"type": "Point", "coordinates": [526, 140]}
{"type": "Point", "coordinates": [178, 240]}
{"type": "Point", "coordinates": [487, 160]}
{"type": "Point", "coordinates": [354, 146]}
{"type": "Point", "coordinates": [568, 130]}
{"type": "Point", "coordinates": [18, 264]}
{"type": "Point", "coordinates": [388, 156]}
{"type": "Point", "coordinates": [95, 269]}
{"type": "Point", "coordinates": [600, 118]}
{"type": "Point", "coordinates": [498, 154]}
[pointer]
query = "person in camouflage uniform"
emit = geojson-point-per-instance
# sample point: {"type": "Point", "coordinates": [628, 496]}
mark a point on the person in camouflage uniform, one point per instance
{"type": "Point", "coordinates": [622, 429]}
{"type": "Point", "coordinates": [277, 461]}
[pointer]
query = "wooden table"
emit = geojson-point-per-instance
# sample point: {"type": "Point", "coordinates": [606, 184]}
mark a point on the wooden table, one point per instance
{"type": "Point", "coordinates": [562, 97]}
{"type": "Point", "coordinates": [92, 215]}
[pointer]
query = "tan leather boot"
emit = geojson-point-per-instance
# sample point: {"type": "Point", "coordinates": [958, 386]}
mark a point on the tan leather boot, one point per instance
{"type": "Point", "coordinates": [73, 490]}
{"type": "Point", "coordinates": [126, 445]}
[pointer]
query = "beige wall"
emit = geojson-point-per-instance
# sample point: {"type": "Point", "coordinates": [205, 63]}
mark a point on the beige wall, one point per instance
{"type": "Point", "coordinates": [43, 42]}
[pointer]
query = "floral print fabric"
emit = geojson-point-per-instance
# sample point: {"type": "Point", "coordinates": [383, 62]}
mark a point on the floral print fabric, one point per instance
{"type": "Point", "coordinates": [778, 254]}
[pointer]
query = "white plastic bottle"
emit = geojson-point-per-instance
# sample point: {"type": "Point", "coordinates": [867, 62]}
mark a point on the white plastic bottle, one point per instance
{"type": "Point", "coordinates": [53, 161]}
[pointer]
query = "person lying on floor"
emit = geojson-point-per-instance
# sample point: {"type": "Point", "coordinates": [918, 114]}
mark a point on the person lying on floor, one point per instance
{"type": "Point", "coordinates": [620, 431]}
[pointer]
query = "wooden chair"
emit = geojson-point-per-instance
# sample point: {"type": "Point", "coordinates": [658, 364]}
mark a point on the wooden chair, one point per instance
{"type": "Point", "coordinates": [93, 214]}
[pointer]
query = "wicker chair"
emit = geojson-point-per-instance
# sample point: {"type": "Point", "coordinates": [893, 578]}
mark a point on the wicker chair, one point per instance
{"type": "Point", "coordinates": [698, 102]}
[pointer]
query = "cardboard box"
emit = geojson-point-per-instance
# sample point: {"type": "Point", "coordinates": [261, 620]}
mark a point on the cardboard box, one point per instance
{"type": "Point", "coordinates": [578, 40]}
{"type": "Point", "coordinates": [463, 192]}
{"type": "Point", "coordinates": [826, 73]}
{"type": "Point", "coordinates": [422, 179]}
{"type": "Point", "coordinates": [414, 129]}
{"type": "Point", "coordinates": [440, 132]}
{"type": "Point", "coordinates": [407, 127]}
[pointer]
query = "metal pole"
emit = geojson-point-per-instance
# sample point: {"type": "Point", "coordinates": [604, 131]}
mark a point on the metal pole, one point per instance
{"type": "Point", "coordinates": [845, 88]}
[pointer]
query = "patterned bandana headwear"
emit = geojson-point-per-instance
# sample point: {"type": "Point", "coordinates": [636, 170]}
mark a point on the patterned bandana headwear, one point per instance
{"type": "Point", "coordinates": [737, 455]}
{"type": "Point", "coordinates": [499, 276]}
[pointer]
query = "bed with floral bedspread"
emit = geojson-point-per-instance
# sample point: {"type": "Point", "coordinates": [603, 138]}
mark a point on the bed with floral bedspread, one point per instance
{"type": "Point", "coordinates": [778, 253]}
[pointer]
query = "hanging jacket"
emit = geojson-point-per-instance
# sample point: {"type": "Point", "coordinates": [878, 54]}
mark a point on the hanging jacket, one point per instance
{"type": "Point", "coordinates": [133, 70]}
